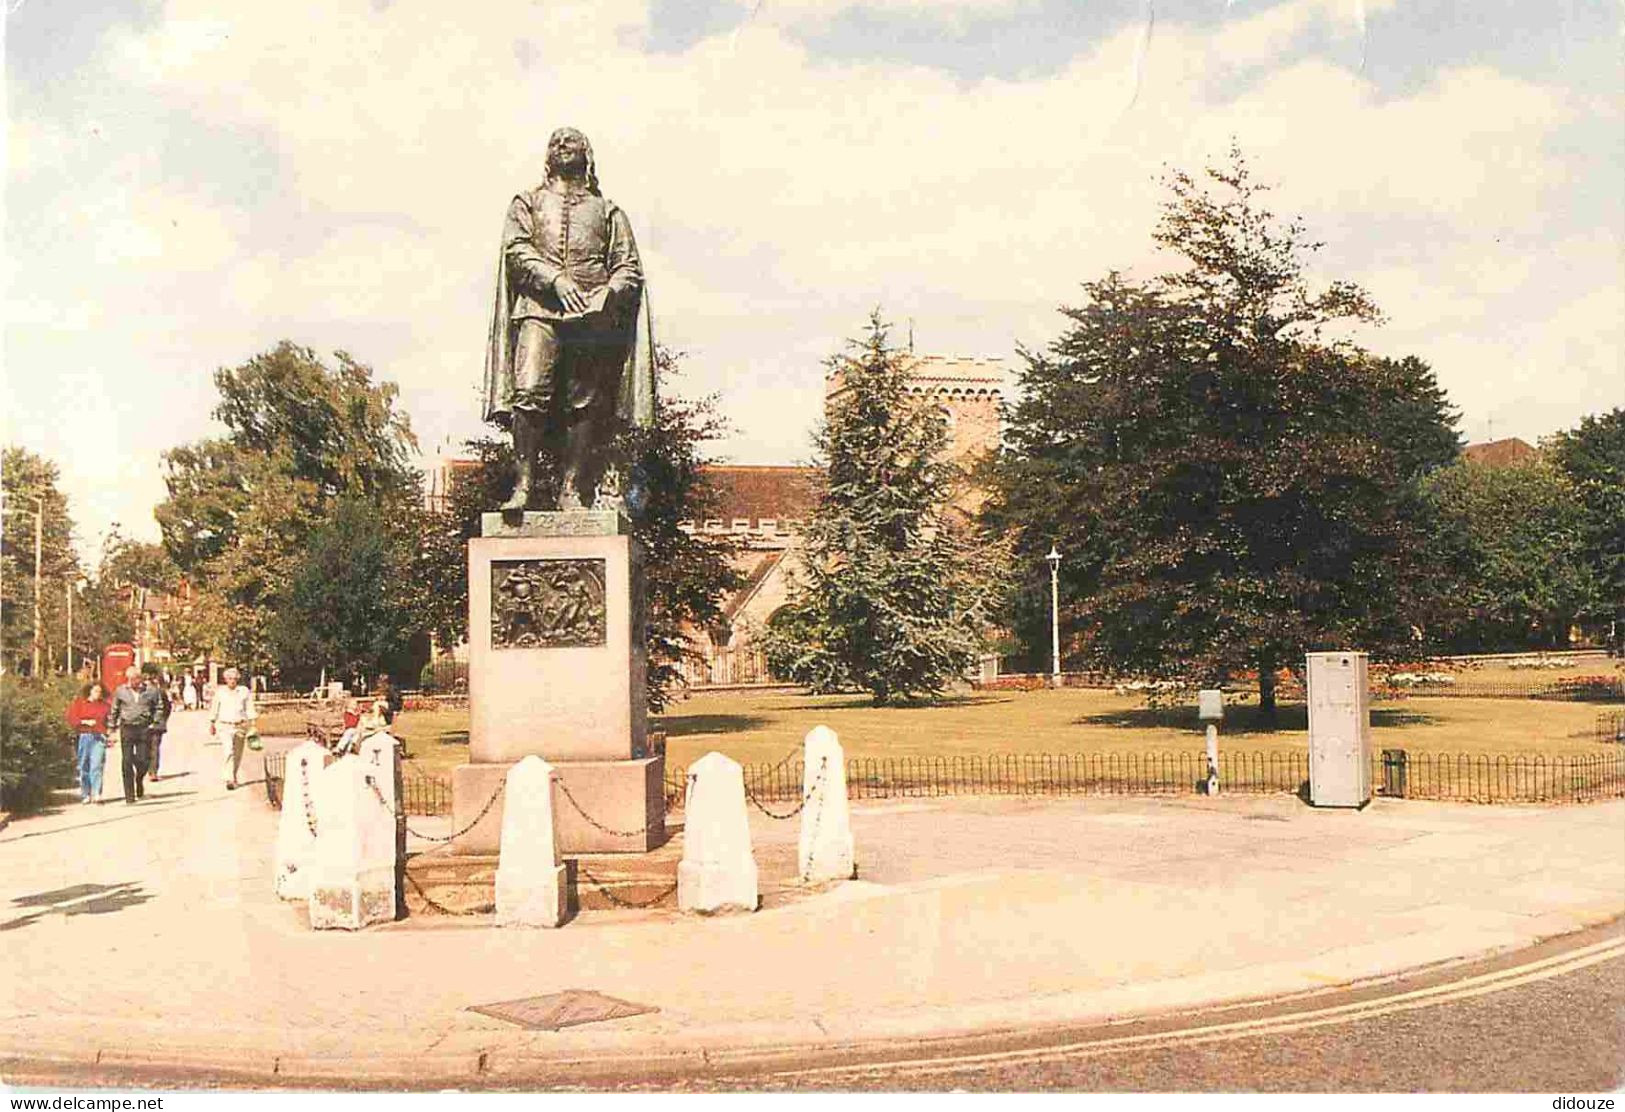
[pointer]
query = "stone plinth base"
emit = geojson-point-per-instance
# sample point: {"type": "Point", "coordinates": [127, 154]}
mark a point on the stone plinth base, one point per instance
{"type": "Point", "coordinates": [628, 797]}
{"type": "Point", "coordinates": [555, 641]}
{"type": "Point", "coordinates": [467, 883]}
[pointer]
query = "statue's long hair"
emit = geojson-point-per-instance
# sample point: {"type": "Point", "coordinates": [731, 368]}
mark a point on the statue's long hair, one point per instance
{"type": "Point", "coordinates": [592, 167]}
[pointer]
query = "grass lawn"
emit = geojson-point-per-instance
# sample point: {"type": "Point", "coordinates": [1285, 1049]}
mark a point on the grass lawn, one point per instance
{"type": "Point", "coordinates": [754, 727]}
{"type": "Point", "coordinates": [437, 739]}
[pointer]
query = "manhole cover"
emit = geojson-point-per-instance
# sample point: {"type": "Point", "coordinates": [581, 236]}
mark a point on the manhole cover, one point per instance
{"type": "Point", "coordinates": [569, 1008]}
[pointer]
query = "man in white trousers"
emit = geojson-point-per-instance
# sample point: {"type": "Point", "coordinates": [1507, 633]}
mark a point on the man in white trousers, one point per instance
{"type": "Point", "coordinates": [231, 716]}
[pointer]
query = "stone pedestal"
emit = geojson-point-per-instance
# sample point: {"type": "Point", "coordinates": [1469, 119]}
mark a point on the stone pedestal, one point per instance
{"type": "Point", "coordinates": [353, 870]}
{"type": "Point", "coordinates": [296, 824]}
{"type": "Point", "coordinates": [718, 870]}
{"type": "Point", "coordinates": [381, 772]}
{"type": "Point", "coordinates": [530, 884]}
{"type": "Point", "coordinates": [824, 851]}
{"type": "Point", "coordinates": [556, 670]}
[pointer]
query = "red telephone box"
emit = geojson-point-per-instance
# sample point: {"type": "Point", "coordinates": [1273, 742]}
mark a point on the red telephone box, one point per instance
{"type": "Point", "coordinates": [116, 660]}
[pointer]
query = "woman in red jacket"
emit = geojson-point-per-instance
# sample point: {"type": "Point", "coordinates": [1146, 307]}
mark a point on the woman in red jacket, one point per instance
{"type": "Point", "coordinates": [88, 717]}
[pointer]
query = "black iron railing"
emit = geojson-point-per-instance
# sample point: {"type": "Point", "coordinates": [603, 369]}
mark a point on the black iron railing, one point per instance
{"type": "Point", "coordinates": [1465, 685]}
{"type": "Point", "coordinates": [1459, 777]}
{"type": "Point", "coordinates": [1463, 777]}
{"type": "Point", "coordinates": [423, 794]}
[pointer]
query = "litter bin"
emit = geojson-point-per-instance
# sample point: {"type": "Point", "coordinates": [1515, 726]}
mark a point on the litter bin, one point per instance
{"type": "Point", "coordinates": [1394, 762]}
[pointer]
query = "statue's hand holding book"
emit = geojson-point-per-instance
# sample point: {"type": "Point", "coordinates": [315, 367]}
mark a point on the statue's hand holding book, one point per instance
{"type": "Point", "coordinates": [574, 302]}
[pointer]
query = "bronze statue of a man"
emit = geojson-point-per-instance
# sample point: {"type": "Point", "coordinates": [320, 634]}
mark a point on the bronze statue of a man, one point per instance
{"type": "Point", "coordinates": [570, 358]}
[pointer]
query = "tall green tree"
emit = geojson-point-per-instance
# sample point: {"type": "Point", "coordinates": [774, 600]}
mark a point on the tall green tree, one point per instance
{"type": "Point", "coordinates": [1511, 542]}
{"type": "Point", "coordinates": [257, 517]}
{"type": "Point", "coordinates": [344, 606]}
{"type": "Point", "coordinates": [142, 563]}
{"type": "Point", "coordinates": [107, 601]}
{"type": "Point", "coordinates": [889, 596]}
{"type": "Point", "coordinates": [30, 485]}
{"type": "Point", "coordinates": [1229, 483]}
{"type": "Point", "coordinates": [292, 421]}
{"type": "Point", "coordinates": [686, 574]}
{"type": "Point", "coordinates": [1592, 455]}
{"type": "Point", "coordinates": [334, 426]}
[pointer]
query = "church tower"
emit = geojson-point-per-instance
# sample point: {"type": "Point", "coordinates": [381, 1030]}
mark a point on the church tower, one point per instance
{"type": "Point", "coordinates": [969, 391]}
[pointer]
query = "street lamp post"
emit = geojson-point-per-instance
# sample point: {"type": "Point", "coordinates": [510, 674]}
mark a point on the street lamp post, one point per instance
{"type": "Point", "coordinates": [1054, 559]}
{"type": "Point", "coordinates": [74, 587]}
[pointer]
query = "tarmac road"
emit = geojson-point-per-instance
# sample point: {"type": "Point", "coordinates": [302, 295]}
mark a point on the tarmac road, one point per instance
{"type": "Point", "coordinates": [1549, 1019]}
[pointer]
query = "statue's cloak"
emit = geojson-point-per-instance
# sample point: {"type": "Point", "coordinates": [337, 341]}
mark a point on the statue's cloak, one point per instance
{"type": "Point", "coordinates": [636, 403]}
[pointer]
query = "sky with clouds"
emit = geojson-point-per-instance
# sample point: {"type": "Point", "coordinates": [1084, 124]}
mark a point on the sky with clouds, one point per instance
{"type": "Point", "coordinates": [189, 181]}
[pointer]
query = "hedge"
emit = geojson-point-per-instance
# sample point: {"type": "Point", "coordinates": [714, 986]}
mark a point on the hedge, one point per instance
{"type": "Point", "coordinates": [36, 743]}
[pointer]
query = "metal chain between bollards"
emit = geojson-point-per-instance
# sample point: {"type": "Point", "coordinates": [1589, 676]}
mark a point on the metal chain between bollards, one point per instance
{"type": "Point", "coordinates": [372, 782]}
{"type": "Point", "coordinates": [580, 810]}
{"type": "Point", "coordinates": [823, 768]}
{"type": "Point", "coordinates": [489, 803]}
{"type": "Point", "coordinates": [818, 816]}
{"type": "Point", "coordinates": [304, 782]}
{"type": "Point", "coordinates": [621, 901]}
{"type": "Point", "coordinates": [431, 902]}
{"type": "Point", "coordinates": [795, 751]}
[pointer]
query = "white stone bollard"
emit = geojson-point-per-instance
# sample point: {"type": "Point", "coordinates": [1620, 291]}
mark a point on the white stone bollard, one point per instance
{"type": "Point", "coordinates": [352, 876]}
{"type": "Point", "coordinates": [381, 760]}
{"type": "Point", "coordinates": [295, 828]}
{"type": "Point", "coordinates": [531, 889]}
{"type": "Point", "coordinates": [717, 872]}
{"type": "Point", "coordinates": [826, 820]}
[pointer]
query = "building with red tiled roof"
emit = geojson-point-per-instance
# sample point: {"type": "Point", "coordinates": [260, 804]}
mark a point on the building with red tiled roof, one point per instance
{"type": "Point", "coordinates": [763, 508]}
{"type": "Point", "coordinates": [769, 499]}
{"type": "Point", "coordinates": [1499, 453]}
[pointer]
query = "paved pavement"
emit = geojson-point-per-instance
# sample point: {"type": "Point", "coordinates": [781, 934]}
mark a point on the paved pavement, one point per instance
{"type": "Point", "coordinates": [150, 935]}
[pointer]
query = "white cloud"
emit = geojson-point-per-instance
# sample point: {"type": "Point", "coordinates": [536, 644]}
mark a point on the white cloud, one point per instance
{"type": "Point", "coordinates": [778, 196]}
{"type": "Point", "coordinates": [953, 13]}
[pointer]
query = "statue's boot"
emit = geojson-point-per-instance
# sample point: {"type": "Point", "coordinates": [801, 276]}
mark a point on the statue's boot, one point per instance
{"type": "Point", "coordinates": [524, 450]}
{"type": "Point", "coordinates": [520, 498]}
{"type": "Point", "coordinates": [577, 443]}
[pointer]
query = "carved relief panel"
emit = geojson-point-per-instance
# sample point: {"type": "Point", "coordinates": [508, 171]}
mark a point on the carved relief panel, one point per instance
{"type": "Point", "coordinates": [547, 604]}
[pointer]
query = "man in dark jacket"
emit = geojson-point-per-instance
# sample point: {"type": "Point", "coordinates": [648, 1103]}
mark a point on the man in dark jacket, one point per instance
{"type": "Point", "coordinates": [135, 705]}
{"type": "Point", "coordinates": [159, 722]}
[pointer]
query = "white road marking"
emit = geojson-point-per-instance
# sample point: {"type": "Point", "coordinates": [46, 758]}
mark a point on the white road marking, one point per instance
{"type": "Point", "coordinates": [1464, 989]}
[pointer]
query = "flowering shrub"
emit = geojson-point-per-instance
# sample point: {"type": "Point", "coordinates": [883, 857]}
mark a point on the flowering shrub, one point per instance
{"type": "Point", "coordinates": [1152, 687]}
{"type": "Point", "coordinates": [1024, 682]}
{"type": "Point", "coordinates": [432, 702]}
{"type": "Point", "coordinates": [1538, 662]}
{"type": "Point", "coordinates": [1421, 679]}
{"type": "Point", "coordinates": [1591, 687]}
